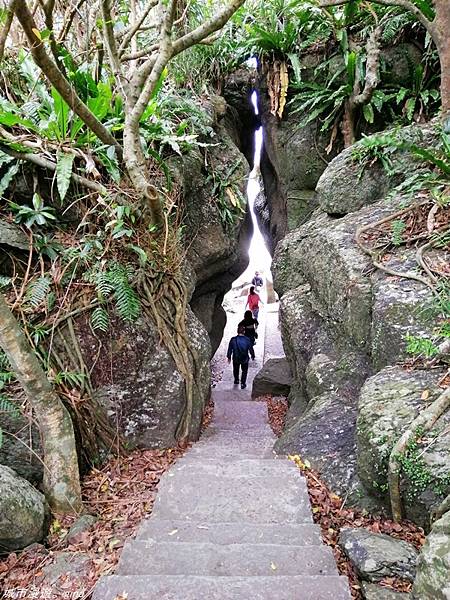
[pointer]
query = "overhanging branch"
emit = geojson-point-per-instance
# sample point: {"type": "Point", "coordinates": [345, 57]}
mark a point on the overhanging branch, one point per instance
{"type": "Point", "coordinates": [406, 4]}
{"type": "Point", "coordinates": [57, 79]}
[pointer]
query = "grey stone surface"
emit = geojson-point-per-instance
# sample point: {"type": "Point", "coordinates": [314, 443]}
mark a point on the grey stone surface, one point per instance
{"type": "Point", "coordinates": [325, 435]}
{"type": "Point", "coordinates": [254, 500]}
{"type": "Point", "coordinates": [398, 311]}
{"type": "Point", "coordinates": [433, 567]}
{"type": "Point", "coordinates": [372, 591]}
{"type": "Point", "coordinates": [12, 235]}
{"type": "Point", "coordinates": [138, 383]}
{"type": "Point", "coordinates": [230, 533]}
{"type": "Point", "coordinates": [206, 559]}
{"type": "Point", "coordinates": [23, 512]}
{"type": "Point", "coordinates": [337, 192]}
{"type": "Point", "coordinates": [153, 587]}
{"type": "Point", "coordinates": [274, 379]}
{"type": "Point", "coordinates": [80, 527]}
{"type": "Point", "coordinates": [388, 403]}
{"type": "Point", "coordinates": [226, 523]}
{"type": "Point", "coordinates": [74, 564]}
{"type": "Point", "coordinates": [375, 555]}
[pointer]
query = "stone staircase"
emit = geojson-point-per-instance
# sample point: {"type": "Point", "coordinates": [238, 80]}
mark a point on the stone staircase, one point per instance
{"type": "Point", "coordinates": [231, 521]}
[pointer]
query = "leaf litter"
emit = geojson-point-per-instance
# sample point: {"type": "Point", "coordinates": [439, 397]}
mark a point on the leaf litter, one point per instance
{"type": "Point", "coordinates": [330, 513]}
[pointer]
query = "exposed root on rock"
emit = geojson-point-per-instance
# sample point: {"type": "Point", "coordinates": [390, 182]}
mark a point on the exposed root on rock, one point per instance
{"type": "Point", "coordinates": [422, 423]}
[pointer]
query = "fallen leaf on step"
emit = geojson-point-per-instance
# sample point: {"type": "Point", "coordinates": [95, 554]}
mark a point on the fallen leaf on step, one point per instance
{"type": "Point", "coordinates": [425, 395]}
{"type": "Point", "coordinates": [173, 532]}
{"type": "Point", "coordinates": [273, 566]}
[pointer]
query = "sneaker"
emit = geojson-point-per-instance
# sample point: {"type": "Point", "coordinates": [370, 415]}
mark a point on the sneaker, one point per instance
{"type": "Point", "coordinates": [243, 386]}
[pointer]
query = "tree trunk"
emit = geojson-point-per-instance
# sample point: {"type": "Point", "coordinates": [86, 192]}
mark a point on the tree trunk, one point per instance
{"type": "Point", "coordinates": [348, 123]}
{"type": "Point", "coordinates": [61, 474]}
{"type": "Point", "coordinates": [441, 38]}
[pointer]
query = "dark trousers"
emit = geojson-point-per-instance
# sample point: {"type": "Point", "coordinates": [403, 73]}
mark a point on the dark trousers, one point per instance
{"type": "Point", "coordinates": [244, 367]}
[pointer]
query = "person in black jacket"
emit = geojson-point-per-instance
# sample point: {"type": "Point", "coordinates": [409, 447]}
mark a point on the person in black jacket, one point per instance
{"type": "Point", "coordinates": [250, 325]}
{"type": "Point", "coordinates": [238, 348]}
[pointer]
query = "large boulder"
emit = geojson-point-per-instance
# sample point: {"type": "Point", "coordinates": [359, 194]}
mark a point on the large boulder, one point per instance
{"type": "Point", "coordinates": [433, 568]}
{"type": "Point", "coordinates": [137, 380]}
{"type": "Point", "coordinates": [389, 402]}
{"type": "Point", "coordinates": [346, 185]}
{"type": "Point", "coordinates": [372, 591]}
{"type": "Point", "coordinates": [376, 556]}
{"type": "Point", "coordinates": [274, 378]}
{"type": "Point", "coordinates": [372, 310]}
{"type": "Point", "coordinates": [23, 512]}
{"type": "Point", "coordinates": [12, 235]}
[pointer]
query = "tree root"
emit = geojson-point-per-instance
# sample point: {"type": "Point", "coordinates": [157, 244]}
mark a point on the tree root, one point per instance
{"type": "Point", "coordinates": [424, 421]}
{"type": "Point", "coordinates": [374, 255]}
{"type": "Point", "coordinates": [165, 301]}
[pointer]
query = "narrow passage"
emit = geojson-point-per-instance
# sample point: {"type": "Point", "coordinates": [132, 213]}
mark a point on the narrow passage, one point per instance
{"type": "Point", "coordinates": [232, 521]}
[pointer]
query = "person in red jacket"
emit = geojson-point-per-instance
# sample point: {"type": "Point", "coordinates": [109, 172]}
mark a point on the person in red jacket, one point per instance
{"type": "Point", "coordinates": [253, 301]}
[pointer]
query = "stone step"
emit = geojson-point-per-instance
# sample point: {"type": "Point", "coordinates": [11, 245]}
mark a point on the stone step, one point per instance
{"type": "Point", "coordinates": [154, 587]}
{"type": "Point", "coordinates": [227, 452]}
{"type": "Point", "coordinates": [240, 445]}
{"type": "Point", "coordinates": [253, 499]}
{"type": "Point", "coordinates": [230, 533]}
{"type": "Point", "coordinates": [254, 433]}
{"type": "Point", "coordinates": [141, 557]}
{"type": "Point", "coordinates": [238, 467]}
{"type": "Point", "coordinates": [232, 412]}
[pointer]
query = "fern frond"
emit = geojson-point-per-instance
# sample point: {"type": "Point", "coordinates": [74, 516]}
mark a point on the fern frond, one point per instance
{"type": "Point", "coordinates": [100, 319]}
{"type": "Point", "coordinates": [37, 291]}
{"type": "Point", "coordinates": [104, 285]}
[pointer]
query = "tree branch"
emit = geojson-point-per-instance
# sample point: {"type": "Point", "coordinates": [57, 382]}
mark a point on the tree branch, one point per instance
{"type": "Point", "coordinates": [372, 64]}
{"type": "Point", "coordinates": [406, 4]}
{"type": "Point", "coordinates": [57, 79]}
{"type": "Point", "coordinates": [140, 53]}
{"type": "Point", "coordinates": [136, 27]}
{"type": "Point", "coordinates": [110, 41]}
{"type": "Point", "coordinates": [6, 27]}
{"type": "Point", "coordinates": [40, 161]}
{"type": "Point", "coordinates": [206, 29]}
{"type": "Point", "coordinates": [68, 20]}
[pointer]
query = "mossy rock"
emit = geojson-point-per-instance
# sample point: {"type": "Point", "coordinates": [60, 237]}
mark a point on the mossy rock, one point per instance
{"type": "Point", "coordinates": [389, 402]}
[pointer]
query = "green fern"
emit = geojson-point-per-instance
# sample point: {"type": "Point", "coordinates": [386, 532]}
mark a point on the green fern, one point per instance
{"type": "Point", "coordinates": [114, 284]}
{"type": "Point", "coordinates": [38, 291]}
{"type": "Point", "coordinates": [127, 302]}
{"type": "Point", "coordinates": [100, 319]}
{"type": "Point", "coordinates": [103, 285]}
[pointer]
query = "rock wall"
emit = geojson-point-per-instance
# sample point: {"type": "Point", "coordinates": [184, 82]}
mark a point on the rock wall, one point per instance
{"type": "Point", "coordinates": [344, 325]}
{"type": "Point", "coordinates": [133, 374]}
